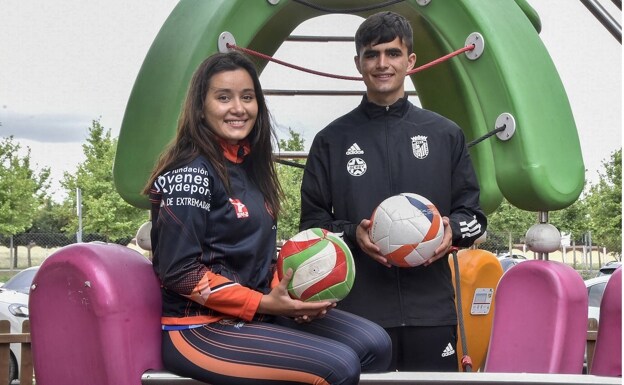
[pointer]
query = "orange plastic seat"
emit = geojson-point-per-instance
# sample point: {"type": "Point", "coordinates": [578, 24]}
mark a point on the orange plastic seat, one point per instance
{"type": "Point", "coordinates": [479, 274]}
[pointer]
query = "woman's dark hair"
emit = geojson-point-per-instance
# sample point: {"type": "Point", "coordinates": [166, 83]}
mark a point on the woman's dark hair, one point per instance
{"type": "Point", "coordinates": [194, 138]}
{"type": "Point", "coordinates": [384, 27]}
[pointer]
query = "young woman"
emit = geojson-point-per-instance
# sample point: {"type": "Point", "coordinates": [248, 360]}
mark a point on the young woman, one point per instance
{"type": "Point", "coordinates": [215, 202]}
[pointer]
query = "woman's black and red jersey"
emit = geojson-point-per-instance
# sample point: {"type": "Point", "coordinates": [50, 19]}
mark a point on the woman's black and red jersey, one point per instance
{"type": "Point", "coordinates": [214, 252]}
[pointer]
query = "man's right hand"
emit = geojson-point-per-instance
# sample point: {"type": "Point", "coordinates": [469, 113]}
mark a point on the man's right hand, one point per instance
{"type": "Point", "coordinates": [367, 246]}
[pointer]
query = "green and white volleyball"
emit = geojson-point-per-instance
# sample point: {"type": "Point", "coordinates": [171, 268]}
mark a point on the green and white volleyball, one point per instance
{"type": "Point", "coordinates": [322, 264]}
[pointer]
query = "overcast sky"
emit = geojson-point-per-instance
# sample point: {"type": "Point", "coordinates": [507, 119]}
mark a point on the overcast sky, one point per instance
{"type": "Point", "coordinates": [65, 63]}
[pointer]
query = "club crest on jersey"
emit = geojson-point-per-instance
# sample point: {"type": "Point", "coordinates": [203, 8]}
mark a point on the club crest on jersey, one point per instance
{"type": "Point", "coordinates": [356, 166]}
{"type": "Point", "coordinates": [420, 147]}
{"type": "Point", "coordinates": [239, 208]}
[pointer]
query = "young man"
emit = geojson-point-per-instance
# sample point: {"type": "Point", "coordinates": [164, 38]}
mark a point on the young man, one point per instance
{"type": "Point", "coordinates": [383, 147]}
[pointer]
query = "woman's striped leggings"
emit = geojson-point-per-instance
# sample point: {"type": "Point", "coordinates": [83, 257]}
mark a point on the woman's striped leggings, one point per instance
{"type": "Point", "coordinates": [332, 350]}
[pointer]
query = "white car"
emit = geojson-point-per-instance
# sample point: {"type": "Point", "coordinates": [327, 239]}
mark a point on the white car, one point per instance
{"type": "Point", "coordinates": [14, 307]}
{"type": "Point", "coordinates": [595, 290]}
{"type": "Point", "coordinates": [508, 261]}
{"type": "Point", "coordinates": [609, 268]}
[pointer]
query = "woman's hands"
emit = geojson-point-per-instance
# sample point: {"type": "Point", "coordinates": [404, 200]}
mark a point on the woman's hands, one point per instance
{"type": "Point", "coordinates": [279, 302]}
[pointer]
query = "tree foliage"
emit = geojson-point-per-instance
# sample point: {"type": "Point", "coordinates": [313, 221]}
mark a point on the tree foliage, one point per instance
{"type": "Point", "coordinates": [572, 220]}
{"type": "Point", "coordinates": [604, 204]}
{"type": "Point", "coordinates": [22, 190]}
{"type": "Point", "coordinates": [51, 217]}
{"type": "Point", "coordinates": [290, 179]}
{"type": "Point", "coordinates": [103, 209]}
{"type": "Point", "coordinates": [508, 225]}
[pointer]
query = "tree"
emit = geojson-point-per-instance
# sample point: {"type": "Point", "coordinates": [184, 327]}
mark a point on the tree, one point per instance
{"type": "Point", "coordinates": [22, 190]}
{"type": "Point", "coordinates": [507, 226]}
{"type": "Point", "coordinates": [290, 178]}
{"type": "Point", "coordinates": [51, 217]}
{"type": "Point", "coordinates": [571, 220]}
{"type": "Point", "coordinates": [604, 205]}
{"type": "Point", "coordinates": [50, 220]}
{"type": "Point", "coordinates": [103, 210]}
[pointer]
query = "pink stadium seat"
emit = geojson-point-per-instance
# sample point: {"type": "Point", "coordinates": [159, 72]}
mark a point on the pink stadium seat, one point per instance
{"type": "Point", "coordinates": [95, 316]}
{"type": "Point", "coordinates": [540, 320]}
{"type": "Point", "coordinates": [608, 352]}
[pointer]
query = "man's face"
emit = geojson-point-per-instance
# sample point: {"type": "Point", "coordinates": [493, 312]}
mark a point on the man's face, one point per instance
{"type": "Point", "coordinates": [384, 67]}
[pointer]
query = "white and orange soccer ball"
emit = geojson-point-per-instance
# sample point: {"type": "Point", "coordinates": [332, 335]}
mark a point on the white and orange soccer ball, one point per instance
{"type": "Point", "coordinates": [407, 228]}
{"type": "Point", "coordinates": [322, 263]}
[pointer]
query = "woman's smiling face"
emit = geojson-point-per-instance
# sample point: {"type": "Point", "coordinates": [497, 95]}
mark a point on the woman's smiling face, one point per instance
{"type": "Point", "coordinates": [230, 107]}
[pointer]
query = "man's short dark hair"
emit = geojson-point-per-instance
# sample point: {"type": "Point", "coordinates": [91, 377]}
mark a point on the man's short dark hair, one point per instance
{"type": "Point", "coordinates": [383, 27]}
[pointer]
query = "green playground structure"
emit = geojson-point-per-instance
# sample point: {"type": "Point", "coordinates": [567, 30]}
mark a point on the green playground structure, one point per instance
{"type": "Point", "coordinates": [507, 80]}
